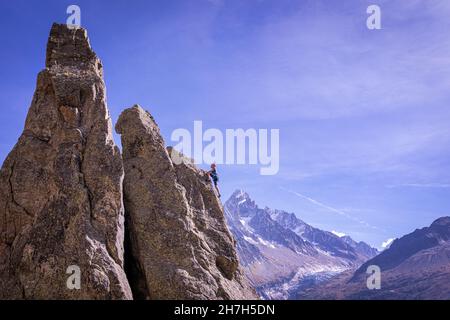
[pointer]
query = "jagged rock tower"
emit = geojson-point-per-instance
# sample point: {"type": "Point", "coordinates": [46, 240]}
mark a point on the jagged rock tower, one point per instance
{"type": "Point", "coordinates": [61, 206]}
{"type": "Point", "coordinates": [178, 246]}
{"type": "Point", "coordinates": [61, 185]}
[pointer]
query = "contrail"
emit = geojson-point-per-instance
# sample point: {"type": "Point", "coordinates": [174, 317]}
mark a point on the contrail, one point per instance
{"type": "Point", "coordinates": [322, 205]}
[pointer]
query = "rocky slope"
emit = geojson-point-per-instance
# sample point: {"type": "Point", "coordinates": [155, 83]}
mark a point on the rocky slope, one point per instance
{"type": "Point", "coordinates": [416, 266]}
{"type": "Point", "coordinates": [282, 254]}
{"type": "Point", "coordinates": [61, 185]}
{"type": "Point", "coordinates": [173, 212]}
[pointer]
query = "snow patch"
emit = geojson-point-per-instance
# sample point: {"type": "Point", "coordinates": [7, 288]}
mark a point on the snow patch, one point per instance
{"type": "Point", "coordinates": [248, 239]}
{"type": "Point", "coordinates": [244, 222]}
{"type": "Point", "coordinates": [266, 243]}
{"type": "Point", "coordinates": [299, 230]}
{"type": "Point", "coordinates": [386, 244]}
{"type": "Point", "coordinates": [339, 234]}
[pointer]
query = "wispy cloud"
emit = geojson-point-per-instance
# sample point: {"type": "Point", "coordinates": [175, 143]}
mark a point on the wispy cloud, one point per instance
{"type": "Point", "coordinates": [357, 74]}
{"type": "Point", "coordinates": [420, 185]}
{"type": "Point", "coordinates": [331, 209]}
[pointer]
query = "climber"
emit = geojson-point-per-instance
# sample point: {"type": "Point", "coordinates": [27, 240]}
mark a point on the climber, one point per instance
{"type": "Point", "coordinates": [213, 174]}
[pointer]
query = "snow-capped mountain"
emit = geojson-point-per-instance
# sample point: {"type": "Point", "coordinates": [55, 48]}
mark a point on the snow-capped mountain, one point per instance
{"type": "Point", "coordinates": [344, 247]}
{"type": "Point", "coordinates": [281, 254]}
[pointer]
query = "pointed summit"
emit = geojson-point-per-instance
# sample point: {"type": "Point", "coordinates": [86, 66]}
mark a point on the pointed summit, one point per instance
{"type": "Point", "coordinates": [240, 199]}
{"type": "Point", "coordinates": [61, 185]}
{"type": "Point", "coordinates": [70, 47]}
{"type": "Point", "coordinates": [240, 195]}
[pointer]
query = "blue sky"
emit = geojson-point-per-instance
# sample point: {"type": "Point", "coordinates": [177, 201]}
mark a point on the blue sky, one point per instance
{"type": "Point", "coordinates": [363, 114]}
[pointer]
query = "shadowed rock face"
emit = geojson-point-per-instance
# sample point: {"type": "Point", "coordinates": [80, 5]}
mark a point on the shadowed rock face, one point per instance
{"type": "Point", "coordinates": [180, 246]}
{"type": "Point", "coordinates": [60, 187]}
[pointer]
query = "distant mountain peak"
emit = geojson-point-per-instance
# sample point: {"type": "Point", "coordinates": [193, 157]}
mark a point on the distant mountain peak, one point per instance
{"type": "Point", "coordinates": [416, 266]}
{"type": "Point", "coordinates": [241, 199]}
{"type": "Point", "coordinates": [407, 246]}
{"type": "Point", "coordinates": [275, 245]}
{"type": "Point", "coordinates": [240, 195]}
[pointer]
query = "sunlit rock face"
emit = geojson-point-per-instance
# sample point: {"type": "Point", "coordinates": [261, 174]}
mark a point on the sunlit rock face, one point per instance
{"type": "Point", "coordinates": [179, 244]}
{"type": "Point", "coordinates": [61, 185]}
